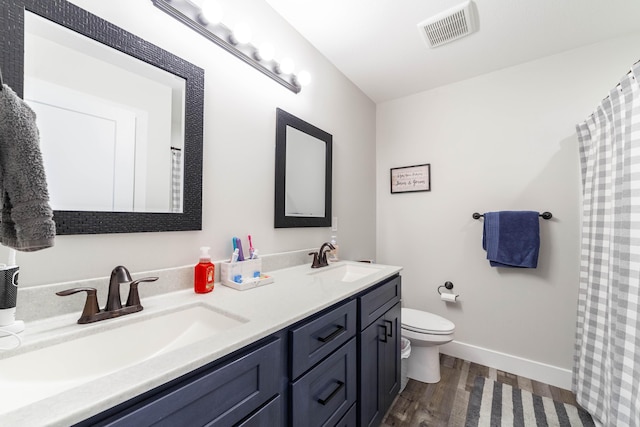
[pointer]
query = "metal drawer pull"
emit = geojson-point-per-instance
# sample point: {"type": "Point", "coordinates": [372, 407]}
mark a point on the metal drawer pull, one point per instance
{"type": "Point", "coordinates": [384, 337]}
{"type": "Point", "coordinates": [333, 394]}
{"type": "Point", "coordinates": [390, 335]}
{"type": "Point", "coordinates": [332, 335]}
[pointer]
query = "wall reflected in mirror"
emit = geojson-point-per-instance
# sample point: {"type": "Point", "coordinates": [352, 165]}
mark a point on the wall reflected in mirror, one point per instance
{"type": "Point", "coordinates": [305, 175]}
{"type": "Point", "coordinates": [112, 127]}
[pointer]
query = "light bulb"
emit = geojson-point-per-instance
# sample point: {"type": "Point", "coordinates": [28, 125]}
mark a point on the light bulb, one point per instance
{"type": "Point", "coordinates": [287, 65]}
{"type": "Point", "coordinates": [266, 51]}
{"type": "Point", "coordinates": [242, 33]}
{"type": "Point", "coordinates": [211, 11]}
{"type": "Point", "coordinates": [304, 78]}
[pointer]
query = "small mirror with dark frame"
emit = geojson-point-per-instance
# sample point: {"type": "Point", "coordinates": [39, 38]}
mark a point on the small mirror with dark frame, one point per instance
{"type": "Point", "coordinates": [303, 173]}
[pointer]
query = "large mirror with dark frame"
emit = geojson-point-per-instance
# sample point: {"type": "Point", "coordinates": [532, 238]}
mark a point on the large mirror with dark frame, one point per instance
{"type": "Point", "coordinates": [120, 119]}
{"type": "Point", "coordinates": [303, 173]}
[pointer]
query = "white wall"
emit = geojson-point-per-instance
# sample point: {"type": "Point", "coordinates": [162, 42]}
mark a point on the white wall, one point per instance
{"type": "Point", "coordinates": [501, 141]}
{"type": "Point", "coordinates": [239, 149]}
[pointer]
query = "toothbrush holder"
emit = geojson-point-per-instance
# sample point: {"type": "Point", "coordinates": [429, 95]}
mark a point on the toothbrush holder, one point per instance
{"type": "Point", "coordinates": [244, 275]}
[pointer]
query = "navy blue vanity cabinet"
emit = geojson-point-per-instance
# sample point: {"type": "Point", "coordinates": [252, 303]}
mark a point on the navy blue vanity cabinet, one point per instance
{"type": "Point", "coordinates": [379, 369]}
{"type": "Point", "coordinates": [243, 390]}
{"type": "Point", "coordinates": [338, 367]}
{"type": "Point", "coordinates": [323, 367]}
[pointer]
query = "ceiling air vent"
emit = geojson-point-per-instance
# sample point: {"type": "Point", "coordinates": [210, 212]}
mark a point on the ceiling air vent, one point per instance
{"type": "Point", "coordinates": [450, 25]}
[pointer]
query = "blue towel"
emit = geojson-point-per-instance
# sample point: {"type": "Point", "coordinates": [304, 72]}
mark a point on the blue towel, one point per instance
{"type": "Point", "coordinates": [512, 238]}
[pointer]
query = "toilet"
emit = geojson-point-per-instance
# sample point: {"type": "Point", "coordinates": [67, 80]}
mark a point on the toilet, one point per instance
{"type": "Point", "coordinates": [426, 331]}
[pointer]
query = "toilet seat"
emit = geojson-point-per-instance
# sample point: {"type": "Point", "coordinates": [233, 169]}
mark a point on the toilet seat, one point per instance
{"type": "Point", "coordinates": [425, 323]}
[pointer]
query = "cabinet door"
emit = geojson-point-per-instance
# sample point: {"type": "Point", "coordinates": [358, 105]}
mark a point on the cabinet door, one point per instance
{"type": "Point", "coordinates": [390, 370]}
{"type": "Point", "coordinates": [222, 396]}
{"type": "Point", "coordinates": [379, 366]}
{"type": "Point", "coordinates": [371, 359]}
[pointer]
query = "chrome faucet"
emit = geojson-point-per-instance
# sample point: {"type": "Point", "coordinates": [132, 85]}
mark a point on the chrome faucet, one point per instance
{"type": "Point", "coordinates": [320, 257]}
{"type": "Point", "coordinates": [113, 308]}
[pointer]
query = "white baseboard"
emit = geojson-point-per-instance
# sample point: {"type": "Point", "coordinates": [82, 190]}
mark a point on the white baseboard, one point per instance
{"type": "Point", "coordinates": [548, 374]}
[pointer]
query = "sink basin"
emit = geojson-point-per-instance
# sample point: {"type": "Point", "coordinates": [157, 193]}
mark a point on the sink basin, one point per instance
{"type": "Point", "coordinates": [43, 372]}
{"type": "Point", "coordinates": [346, 272]}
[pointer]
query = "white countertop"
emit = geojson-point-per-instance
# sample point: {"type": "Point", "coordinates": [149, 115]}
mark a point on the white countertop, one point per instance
{"type": "Point", "coordinates": [295, 295]}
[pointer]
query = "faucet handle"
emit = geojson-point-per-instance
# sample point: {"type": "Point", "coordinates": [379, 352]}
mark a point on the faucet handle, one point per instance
{"type": "Point", "coordinates": [133, 300]}
{"type": "Point", "coordinates": [90, 306]}
{"type": "Point", "coordinates": [316, 262]}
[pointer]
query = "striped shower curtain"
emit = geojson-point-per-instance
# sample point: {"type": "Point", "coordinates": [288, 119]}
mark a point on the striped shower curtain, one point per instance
{"type": "Point", "coordinates": [606, 373]}
{"type": "Point", "coordinates": [176, 180]}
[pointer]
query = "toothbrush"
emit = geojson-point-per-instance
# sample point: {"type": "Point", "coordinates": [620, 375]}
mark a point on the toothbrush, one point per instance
{"type": "Point", "coordinates": [239, 247]}
{"type": "Point", "coordinates": [250, 247]}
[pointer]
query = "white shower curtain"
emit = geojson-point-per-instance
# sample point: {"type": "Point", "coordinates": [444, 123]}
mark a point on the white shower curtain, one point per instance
{"type": "Point", "coordinates": [606, 374]}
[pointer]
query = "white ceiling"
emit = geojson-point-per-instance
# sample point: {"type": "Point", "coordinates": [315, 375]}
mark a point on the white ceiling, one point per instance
{"type": "Point", "coordinates": [376, 44]}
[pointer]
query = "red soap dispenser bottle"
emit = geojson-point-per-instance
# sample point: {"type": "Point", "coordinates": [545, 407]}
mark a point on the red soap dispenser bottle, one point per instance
{"type": "Point", "coordinates": [204, 272]}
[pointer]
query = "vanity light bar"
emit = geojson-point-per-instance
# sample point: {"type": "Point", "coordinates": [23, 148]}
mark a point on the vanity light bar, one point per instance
{"type": "Point", "coordinates": [191, 15]}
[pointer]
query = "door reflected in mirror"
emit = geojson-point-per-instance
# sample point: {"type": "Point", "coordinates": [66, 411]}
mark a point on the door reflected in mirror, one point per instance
{"type": "Point", "coordinates": [303, 173]}
{"type": "Point", "coordinates": [111, 126]}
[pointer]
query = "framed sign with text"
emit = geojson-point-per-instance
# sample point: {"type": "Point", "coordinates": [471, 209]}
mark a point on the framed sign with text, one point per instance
{"type": "Point", "coordinates": [409, 179]}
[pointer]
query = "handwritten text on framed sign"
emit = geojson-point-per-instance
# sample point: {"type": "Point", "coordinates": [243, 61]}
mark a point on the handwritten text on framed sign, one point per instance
{"type": "Point", "coordinates": [411, 178]}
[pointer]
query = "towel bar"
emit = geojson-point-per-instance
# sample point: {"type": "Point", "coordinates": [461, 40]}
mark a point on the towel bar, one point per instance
{"type": "Point", "coordinates": [544, 215]}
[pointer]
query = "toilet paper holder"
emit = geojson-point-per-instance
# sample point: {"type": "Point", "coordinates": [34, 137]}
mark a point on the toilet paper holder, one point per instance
{"type": "Point", "coordinates": [448, 296]}
{"type": "Point", "coordinates": [447, 285]}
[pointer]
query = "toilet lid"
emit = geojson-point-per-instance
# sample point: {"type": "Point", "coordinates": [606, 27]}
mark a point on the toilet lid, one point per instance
{"type": "Point", "coordinates": [426, 323]}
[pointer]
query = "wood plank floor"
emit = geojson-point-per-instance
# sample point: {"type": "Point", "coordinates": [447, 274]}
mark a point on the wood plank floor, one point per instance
{"type": "Point", "coordinates": [445, 404]}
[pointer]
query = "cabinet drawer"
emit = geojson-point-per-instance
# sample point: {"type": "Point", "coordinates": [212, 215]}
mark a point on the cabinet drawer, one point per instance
{"type": "Point", "coordinates": [315, 340]}
{"type": "Point", "coordinates": [376, 302]}
{"type": "Point", "coordinates": [222, 397]}
{"type": "Point", "coordinates": [325, 394]}
{"type": "Point", "coordinates": [350, 419]}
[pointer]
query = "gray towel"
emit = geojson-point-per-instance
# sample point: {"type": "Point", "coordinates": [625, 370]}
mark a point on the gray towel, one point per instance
{"type": "Point", "coordinates": [27, 219]}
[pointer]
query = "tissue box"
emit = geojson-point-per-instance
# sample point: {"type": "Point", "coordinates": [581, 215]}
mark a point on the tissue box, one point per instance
{"type": "Point", "coordinates": [244, 275]}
